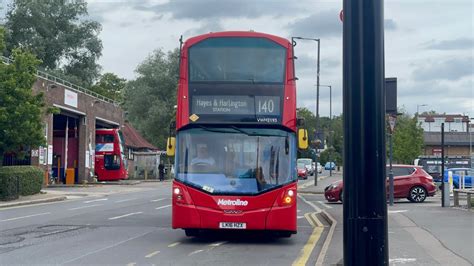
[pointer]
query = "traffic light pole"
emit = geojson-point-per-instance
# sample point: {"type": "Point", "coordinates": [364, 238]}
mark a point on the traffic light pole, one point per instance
{"type": "Point", "coordinates": [365, 208]}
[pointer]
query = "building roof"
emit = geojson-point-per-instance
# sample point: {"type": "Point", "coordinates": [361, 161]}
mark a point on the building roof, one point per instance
{"type": "Point", "coordinates": [448, 118]}
{"type": "Point", "coordinates": [133, 139]}
{"type": "Point", "coordinates": [450, 138]}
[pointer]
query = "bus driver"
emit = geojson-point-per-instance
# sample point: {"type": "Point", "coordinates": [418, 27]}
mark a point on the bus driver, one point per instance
{"type": "Point", "coordinates": [203, 157]}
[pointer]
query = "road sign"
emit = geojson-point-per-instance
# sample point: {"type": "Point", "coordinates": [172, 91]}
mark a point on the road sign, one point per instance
{"type": "Point", "coordinates": [391, 122]}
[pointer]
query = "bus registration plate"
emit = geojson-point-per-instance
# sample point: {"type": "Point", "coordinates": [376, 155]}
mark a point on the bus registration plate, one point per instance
{"type": "Point", "coordinates": [229, 225]}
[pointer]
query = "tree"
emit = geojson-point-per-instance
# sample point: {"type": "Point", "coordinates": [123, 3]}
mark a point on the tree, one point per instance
{"type": "Point", "coordinates": [110, 85]}
{"type": "Point", "coordinates": [407, 139]}
{"type": "Point", "coordinates": [57, 32]}
{"type": "Point", "coordinates": [150, 98]}
{"type": "Point", "coordinates": [20, 110]}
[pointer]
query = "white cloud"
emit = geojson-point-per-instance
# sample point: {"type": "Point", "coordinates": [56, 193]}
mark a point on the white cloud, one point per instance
{"type": "Point", "coordinates": [422, 39]}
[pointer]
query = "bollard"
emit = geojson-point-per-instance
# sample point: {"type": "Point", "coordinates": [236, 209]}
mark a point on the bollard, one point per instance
{"type": "Point", "coordinates": [456, 198]}
{"type": "Point", "coordinates": [447, 199]}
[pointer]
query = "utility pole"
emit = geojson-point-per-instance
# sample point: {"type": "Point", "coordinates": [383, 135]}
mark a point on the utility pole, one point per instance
{"type": "Point", "coordinates": [365, 207]}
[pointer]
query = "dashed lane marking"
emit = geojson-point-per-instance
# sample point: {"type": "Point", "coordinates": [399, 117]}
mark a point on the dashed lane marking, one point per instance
{"type": "Point", "coordinates": [132, 264]}
{"type": "Point", "coordinates": [397, 211]}
{"type": "Point", "coordinates": [195, 252]}
{"type": "Point", "coordinates": [87, 206]}
{"type": "Point", "coordinates": [174, 244]}
{"type": "Point", "coordinates": [402, 260]}
{"type": "Point", "coordinates": [125, 200]}
{"type": "Point", "coordinates": [89, 201]}
{"type": "Point", "coordinates": [156, 200]}
{"type": "Point", "coordinates": [125, 215]}
{"type": "Point", "coordinates": [162, 207]}
{"type": "Point", "coordinates": [299, 216]}
{"type": "Point", "coordinates": [27, 216]}
{"type": "Point", "coordinates": [108, 247]}
{"type": "Point", "coordinates": [152, 254]}
{"type": "Point", "coordinates": [217, 244]}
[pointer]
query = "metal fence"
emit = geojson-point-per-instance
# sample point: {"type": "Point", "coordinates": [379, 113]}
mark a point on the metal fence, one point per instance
{"type": "Point", "coordinates": [144, 165]}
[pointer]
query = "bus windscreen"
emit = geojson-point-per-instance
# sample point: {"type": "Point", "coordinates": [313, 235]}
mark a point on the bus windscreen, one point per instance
{"type": "Point", "coordinates": [235, 160]}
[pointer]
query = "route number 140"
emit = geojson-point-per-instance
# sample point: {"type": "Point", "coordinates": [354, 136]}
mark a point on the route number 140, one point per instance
{"type": "Point", "coordinates": [266, 106]}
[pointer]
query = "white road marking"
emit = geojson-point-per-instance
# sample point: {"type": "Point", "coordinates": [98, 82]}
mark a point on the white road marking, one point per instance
{"type": "Point", "coordinates": [217, 244]}
{"type": "Point", "coordinates": [298, 210]}
{"type": "Point", "coordinates": [162, 207]}
{"type": "Point", "coordinates": [156, 200]}
{"type": "Point", "coordinates": [174, 244]}
{"type": "Point", "coordinates": [152, 254]}
{"type": "Point", "coordinates": [132, 264]}
{"type": "Point", "coordinates": [87, 206]}
{"type": "Point", "coordinates": [124, 200]}
{"type": "Point", "coordinates": [89, 201]}
{"type": "Point", "coordinates": [324, 205]}
{"type": "Point", "coordinates": [402, 260]}
{"type": "Point", "coordinates": [27, 216]}
{"type": "Point", "coordinates": [299, 216]}
{"type": "Point", "coordinates": [195, 252]}
{"type": "Point", "coordinates": [125, 215]}
{"type": "Point", "coordinates": [397, 211]}
{"type": "Point", "coordinates": [111, 246]}
{"type": "Point", "coordinates": [318, 210]}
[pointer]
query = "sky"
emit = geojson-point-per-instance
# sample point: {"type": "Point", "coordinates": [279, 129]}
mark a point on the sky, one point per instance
{"type": "Point", "coordinates": [429, 44]}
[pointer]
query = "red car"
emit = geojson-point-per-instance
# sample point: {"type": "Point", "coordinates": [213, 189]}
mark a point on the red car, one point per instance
{"type": "Point", "coordinates": [410, 182]}
{"type": "Point", "coordinates": [302, 171]}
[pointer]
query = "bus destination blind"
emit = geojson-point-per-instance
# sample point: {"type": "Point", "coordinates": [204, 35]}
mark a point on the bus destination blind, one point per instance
{"type": "Point", "coordinates": [236, 105]}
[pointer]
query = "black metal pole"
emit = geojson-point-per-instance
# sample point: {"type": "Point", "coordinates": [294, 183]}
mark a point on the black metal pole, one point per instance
{"type": "Point", "coordinates": [317, 112]}
{"type": "Point", "coordinates": [365, 207]}
{"type": "Point", "coordinates": [330, 129]}
{"type": "Point", "coordinates": [442, 166]}
{"type": "Point", "coordinates": [390, 175]}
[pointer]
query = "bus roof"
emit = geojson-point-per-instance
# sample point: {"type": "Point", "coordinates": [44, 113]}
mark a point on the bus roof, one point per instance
{"type": "Point", "coordinates": [193, 40]}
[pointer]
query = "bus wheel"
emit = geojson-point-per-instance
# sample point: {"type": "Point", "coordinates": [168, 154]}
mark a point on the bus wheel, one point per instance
{"type": "Point", "coordinates": [191, 232]}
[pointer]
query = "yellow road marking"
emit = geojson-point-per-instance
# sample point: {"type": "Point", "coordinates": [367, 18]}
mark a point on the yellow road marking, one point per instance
{"type": "Point", "coordinates": [152, 254]}
{"type": "Point", "coordinates": [312, 241]}
{"type": "Point", "coordinates": [174, 244]}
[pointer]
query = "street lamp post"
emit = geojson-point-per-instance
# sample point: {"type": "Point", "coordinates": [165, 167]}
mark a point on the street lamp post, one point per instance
{"type": "Point", "coordinates": [317, 93]}
{"type": "Point", "coordinates": [418, 108]}
{"type": "Point", "coordinates": [330, 127]}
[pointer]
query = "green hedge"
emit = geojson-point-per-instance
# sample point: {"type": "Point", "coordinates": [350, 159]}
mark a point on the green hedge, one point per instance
{"type": "Point", "coordinates": [30, 180]}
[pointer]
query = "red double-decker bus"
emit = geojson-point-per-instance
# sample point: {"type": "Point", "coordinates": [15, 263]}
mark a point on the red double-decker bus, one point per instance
{"type": "Point", "coordinates": [236, 141]}
{"type": "Point", "coordinates": [110, 161]}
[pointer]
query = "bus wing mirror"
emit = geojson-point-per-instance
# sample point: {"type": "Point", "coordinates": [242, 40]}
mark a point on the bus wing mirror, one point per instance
{"type": "Point", "coordinates": [302, 139]}
{"type": "Point", "coordinates": [170, 146]}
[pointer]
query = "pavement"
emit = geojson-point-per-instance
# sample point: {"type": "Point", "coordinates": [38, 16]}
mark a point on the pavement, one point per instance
{"type": "Point", "coordinates": [419, 233]}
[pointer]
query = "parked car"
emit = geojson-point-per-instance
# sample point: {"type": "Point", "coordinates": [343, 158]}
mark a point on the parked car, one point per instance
{"type": "Point", "coordinates": [308, 162]}
{"type": "Point", "coordinates": [320, 168]}
{"type": "Point", "coordinates": [410, 182]}
{"type": "Point", "coordinates": [330, 166]}
{"type": "Point", "coordinates": [457, 172]}
{"type": "Point", "coordinates": [302, 171]}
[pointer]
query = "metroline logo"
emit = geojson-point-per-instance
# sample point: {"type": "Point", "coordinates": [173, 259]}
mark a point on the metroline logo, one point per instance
{"type": "Point", "coordinates": [236, 202]}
